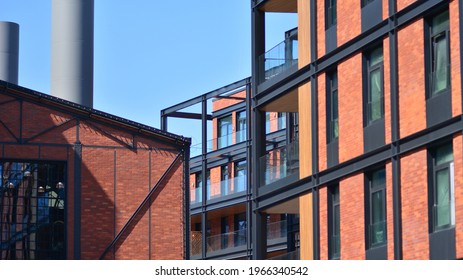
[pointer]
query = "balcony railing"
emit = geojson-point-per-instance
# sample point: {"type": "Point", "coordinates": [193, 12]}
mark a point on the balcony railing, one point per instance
{"type": "Point", "coordinates": [275, 124]}
{"type": "Point", "coordinates": [226, 240]}
{"type": "Point", "coordinates": [279, 59]}
{"type": "Point", "coordinates": [219, 143]}
{"type": "Point", "coordinates": [280, 163]}
{"type": "Point", "coordinates": [196, 242]}
{"type": "Point", "coordinates": [276, 230]}
{"type": "Point", "coordinates": [227, 187]}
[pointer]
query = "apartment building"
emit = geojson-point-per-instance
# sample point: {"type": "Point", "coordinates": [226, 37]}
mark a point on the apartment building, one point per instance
{"type": "Point", "coordinates": [377, 90]}
{"type": "Point", "coordinates": [220, 192]}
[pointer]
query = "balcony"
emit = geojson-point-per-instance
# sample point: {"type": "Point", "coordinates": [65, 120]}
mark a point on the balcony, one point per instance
{"type": "Point", "coordinates": [226, 240]}
{"type": "Point", "coordinates": [279, 59]}
{"type": "Point", "coordinates": [276, 230]}
{"type": "Point", "coordinates": [280, 163]}
{"type": "Point", "coordinates": [219, 143]}
{"type": "Point", "coordinates": [226, 187]}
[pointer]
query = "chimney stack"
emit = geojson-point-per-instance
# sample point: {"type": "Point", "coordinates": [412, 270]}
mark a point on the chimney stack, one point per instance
{"type": "Point", "coordinates": [9, 51]}
{"type": "Point", "coordinates": [72, 50]}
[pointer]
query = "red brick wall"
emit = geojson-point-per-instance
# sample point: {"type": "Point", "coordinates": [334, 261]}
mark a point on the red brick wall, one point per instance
{"type": "Point", "coordinates": [350, 107]}
{"type": "Point", "coordinates": [385, 9]}
{"type": "Point", "coordinates": [412, 106]}
{"type": "Point", "coordinates": [414, 184]}
{"type": "Point", "coordinates": [323, 201]}
{"type": "Point", "coordinates": [389, 213]}
{"type": "Point", "coordinates": [115, 179]}
{"type": "Point", "coordinates": [322, 157]}
{"type": "Point", "coordinates": [455, 57]}
{"type": "Point", "coordinates": [404, 3]}
{"type": "Point", "coordinates": [351, 192]}
{"type": "Point", "coordinates": [349, 20]}
{"type": "Point", "coordinates": [321, 28]}
{"type": "Point", "coordinates": [458, 174]}
{"type": "Point", "coordinates": [387, 92]}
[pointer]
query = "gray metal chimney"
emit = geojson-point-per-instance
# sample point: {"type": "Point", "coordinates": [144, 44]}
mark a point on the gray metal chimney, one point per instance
{"type": "Point", "coordinates": [72, 50]}
{"type": "Point", "coordinates": [9, 51]}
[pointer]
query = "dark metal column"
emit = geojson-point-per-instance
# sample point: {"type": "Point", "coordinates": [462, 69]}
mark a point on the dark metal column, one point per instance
{"type": "Point", "coordinates": [186, 203]}
{"type": "Point", "coordinates": [77, 193]}
{"type": "Point", "coordinates": [395, 132]}
{"type": "Point", "coordinates": [257, 223]}
{"type": "Point", "coordinates": [163, 121]}
{"type": "Point", "coordinates": [203, 176]}
{"type": "Point", "coordinates": [248, 169]}
{"type": "Point", "coordinates": [314, 92]}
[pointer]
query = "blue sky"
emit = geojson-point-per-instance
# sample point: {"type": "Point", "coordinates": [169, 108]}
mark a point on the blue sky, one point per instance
{"type": "Point", "coordinates": [149, 54]}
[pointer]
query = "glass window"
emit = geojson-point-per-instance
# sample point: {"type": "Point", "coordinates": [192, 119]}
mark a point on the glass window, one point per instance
{"type": "Point", "coordinates": [267, 123]}
{"type": "Point", "coordinates": [443, 187]}
{"type": "Point", "coordinates": [332, 106]}
{"type": "Point", "coordinates": [377, 213]}
{"type": "Point", "coordinates": [224, 180]}
{"type": "Point", "coordinates": [330, 13]}
{"type": "Point", "coordinates": [240, 126]}
{"type": "Point", "coordinates": [240, 176]}
{"type": "Point", "coordinates": [225, 130]}
{"type": "Point", "coordinates": [334, 223]}
{"type": "Point", "coordinates": [440, 58]}
{"type": "Point", "coordinates": [32, 211]}
{"type": "Point", "coordinates": [281, 120]}
{"type": "Point", "coordinates": [375, 95]}
{"type": "Point", "coordinates": [240, 229]}
{"type": "Point", "coordinates": [366, 2]}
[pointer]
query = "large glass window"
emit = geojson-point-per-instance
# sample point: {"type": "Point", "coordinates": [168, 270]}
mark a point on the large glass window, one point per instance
{"type": "Point", "coordinates": [330, 13]}
{"type": "Point", "coordinates": [225, 130]}
{"type": "Point", "coordinates": [443, 212]}
{"type": "Point", "coordinates": [199, 186]}
{"type": "Point", "coordinates": [332, 106]}
{"type": "Point", "coordinates": [240, 176]}
{"type": "Point", "coordinates": [240, 126]}
{"type": "Point", "coordinates": [377, 207]}
{"type": "Point", "coordinates": [334, 229]}
{"type": "Point", "coordinates": [32, 207]}
{"type": "Point", "coordinates": [374, 86]}
{"type": "Point", "coordinates": [281, 120]}
{"type": "Point", "coordinates": [240, 229]}
{"type": "Point", "coordinates": [439, 54]}
{"type": "Point", "coordinates": [366, 2]}
{"type": "Point", "coordinates": [224, 180]}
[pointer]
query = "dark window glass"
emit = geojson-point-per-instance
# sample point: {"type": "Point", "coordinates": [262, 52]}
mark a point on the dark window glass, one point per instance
{"type": "Point", "coordinates": [241, 126]}
{"type": "Point", "coordinates": [198, 188]}
{"type": "Point", "coordinates": [330, 13]}
{"type": "Point", "coordinates": [239, 180]}
{"type": "Point", "coordinates": [377, 188]}
{"type": "Point", "coordinates": [375, 95]}
{"type": "Point", "coordinates": [334, 220]}
{"type": "Point", "coordinates": [32, 208]}
{"type": "Point", "coordinates": [267, 123]}
{"type": "Point", "coordinates": [440, 54]}
{"type": "Point", "coordinates": [224, 132]}
{"type": "Point", "coordinates": [240, 229]}
{"type": "Point", "coordinates": [224, 228]}
{"type": "Point", "coordinates": [442, 189]}
{"type": "Point", "coordinates": [332, 106]}
{"type": "Point", "coordinates": [224, 179]}
{"type": "Point", "coordinates": [366, 2]}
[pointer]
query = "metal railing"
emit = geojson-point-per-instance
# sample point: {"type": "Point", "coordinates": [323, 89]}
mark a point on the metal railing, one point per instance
{"type": "Point", "coordinates": [277, 230]}
{"type": "Point", "coordinates": [278, 59]}
{"type": "Point", "coordinates": [226, 240]}
{"type": "Point", "coordinates": [227, 187]}
{"type": "Point", "coordinates": [219, 143]}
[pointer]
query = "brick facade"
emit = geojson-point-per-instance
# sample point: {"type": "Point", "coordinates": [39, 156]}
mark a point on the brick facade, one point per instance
{"type": "Point", "coordinates": [119, 167]}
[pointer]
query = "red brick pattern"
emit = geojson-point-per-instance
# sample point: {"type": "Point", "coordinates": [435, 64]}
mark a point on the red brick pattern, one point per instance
{"type": "Point", "coordinates": [348, 21]}
{"type": "Point", "coordinates": [404, 3]}
{"type": "Point", "coordinates": [351, 192]}
{"type": "Point", "coordinates": [458, 175]}
{"type": "Point", "coordinates": [389, 213]}
{"type": "Point", "coordinates": [455, 58]}
{"type": "Point", "coordinates": [385, 9]}
{"type": "Point", "coordinates": [414, 184]}
{"type": "Point", "coordinates": [322, 149]}
{"type": "Point", "coordinates": [350, 108]}
{"type": "Point", "coordinates": [321, 28]}
{"type": "Point", "coordinates": [412, 106]}
{"type": "Point", "coordinates": [115, 180]}
{"type": "Point", "coordinates": [323, 193]}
